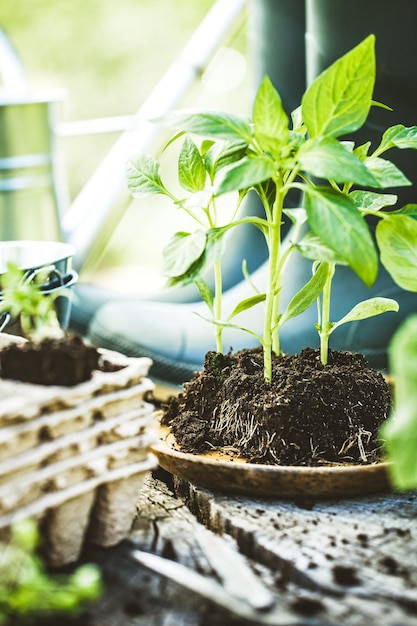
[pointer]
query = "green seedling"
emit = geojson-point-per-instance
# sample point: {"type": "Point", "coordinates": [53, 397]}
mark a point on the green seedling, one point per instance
{"type": "Point", "coordinates": [27, 590]}
{"type": "Point", "coordinates": [24, 299]}
{"type": "Point", "coordinates": [341, 183]}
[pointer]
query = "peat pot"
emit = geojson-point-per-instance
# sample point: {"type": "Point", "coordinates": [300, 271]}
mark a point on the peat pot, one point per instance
{"type": "Point", "coordinates": [74, 458]}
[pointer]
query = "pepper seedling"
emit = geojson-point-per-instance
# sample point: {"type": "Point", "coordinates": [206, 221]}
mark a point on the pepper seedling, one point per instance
{"type": "Point", "coordinates": [341, 183]}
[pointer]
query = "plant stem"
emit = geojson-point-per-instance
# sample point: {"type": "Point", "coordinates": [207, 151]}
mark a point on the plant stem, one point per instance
{"type": "Point", "coordinates": [325, 324]}
{"type": "Point", "coordinates": [270, 338]}
{"type": "Point", "coordinates": [218, 291]}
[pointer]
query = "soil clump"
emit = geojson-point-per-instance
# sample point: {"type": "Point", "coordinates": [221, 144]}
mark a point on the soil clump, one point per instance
{"type": "Point", "coordinates": [310, 415]}
{"type": "Point", "coordinates": [66, 361]}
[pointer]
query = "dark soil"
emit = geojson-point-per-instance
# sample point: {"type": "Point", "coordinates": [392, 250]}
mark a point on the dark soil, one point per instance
{"type": "Point", "coordinates": [67, 361]}
{"type": "Point", "coordinates": [310, 415]}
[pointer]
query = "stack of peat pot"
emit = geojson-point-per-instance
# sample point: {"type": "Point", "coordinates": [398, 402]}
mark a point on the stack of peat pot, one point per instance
{"type": "Point", "coordinates": [74, 458]}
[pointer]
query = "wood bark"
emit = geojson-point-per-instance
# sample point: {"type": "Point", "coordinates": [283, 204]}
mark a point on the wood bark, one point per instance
{"type": "Point", "coordinates": [256, 561]}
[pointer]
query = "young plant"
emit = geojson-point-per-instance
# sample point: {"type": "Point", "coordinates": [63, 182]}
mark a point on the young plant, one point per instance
{"type": "Point", "coordinates": [23, 298]}
{"type": "Point", "coordinates": [27, 590]}
{"type": "Point", "coordinates": [188, 255]}
{"type": "Point", "coordinates": [337, 178]}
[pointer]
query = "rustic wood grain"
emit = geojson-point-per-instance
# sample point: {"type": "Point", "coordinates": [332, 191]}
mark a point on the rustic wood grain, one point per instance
{"type": "Point", "coordinates": [327, 563]}
{"type": "Point", "coordinates": [358, 557]}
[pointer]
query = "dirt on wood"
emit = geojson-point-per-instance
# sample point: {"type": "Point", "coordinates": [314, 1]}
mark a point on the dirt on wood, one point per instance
{"type": "Point", "coordinates": [309, 415]}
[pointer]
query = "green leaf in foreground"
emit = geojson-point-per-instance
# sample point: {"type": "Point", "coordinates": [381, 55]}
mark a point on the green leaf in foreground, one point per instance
{"type": "Point", "coordinates": [400, 431]}
{"type": "Point", "coordinates": [27, 591]}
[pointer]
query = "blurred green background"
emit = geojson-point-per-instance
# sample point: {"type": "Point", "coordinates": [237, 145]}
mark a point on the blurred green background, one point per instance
{"type": "Point", "coordinates": [108, 56]}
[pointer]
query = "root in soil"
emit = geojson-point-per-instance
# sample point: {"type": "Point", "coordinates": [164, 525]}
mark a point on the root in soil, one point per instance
{"type": "Point", "coordinates": [309, 415]}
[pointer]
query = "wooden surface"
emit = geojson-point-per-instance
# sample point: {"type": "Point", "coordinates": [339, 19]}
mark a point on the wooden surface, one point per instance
{"type": "Point", "coordinates": [255, 561]}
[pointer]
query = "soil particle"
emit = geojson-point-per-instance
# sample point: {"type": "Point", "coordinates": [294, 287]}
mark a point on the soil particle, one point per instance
{"type": "Point", "coordinates": [305, 605]}
{"type": "Point", "coordinates": [389, 564]}
{"type": "Point", "coordinates": [345, 575]}
{"type": "Point", "coordinates": [309, 415]}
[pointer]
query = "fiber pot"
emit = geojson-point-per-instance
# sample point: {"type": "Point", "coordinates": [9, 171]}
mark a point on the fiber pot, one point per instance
{"type": "Point", "coordinates": [74, 458]}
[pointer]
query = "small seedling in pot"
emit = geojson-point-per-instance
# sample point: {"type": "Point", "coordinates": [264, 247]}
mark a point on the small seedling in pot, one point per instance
{"type": "Point", "coordinates": [50, 356]}
{"type": "Point", "coordinates": [23, 298]}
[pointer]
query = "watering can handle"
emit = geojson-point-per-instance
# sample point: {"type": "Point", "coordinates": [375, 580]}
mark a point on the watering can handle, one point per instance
{"type": "Point", "coordinates": [4, 320]}
{"type": "Point", "coordinates": [51, 269]}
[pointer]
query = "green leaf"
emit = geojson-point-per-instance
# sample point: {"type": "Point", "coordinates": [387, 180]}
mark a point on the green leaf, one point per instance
{"type": "Point", "coordinates": [143, 179]}
{"type": "Point", "coordinates": [386, 173]}
{"type": "Point", "coordinates": [408, 209]}
{"type": "Point", "coordinates": [396, 236]}
{"type": "Point", "coordinates": [182, 252]}
{"type": "Point", "coordinates": [214, 124]}
{"type": "Point", "coordinates": [297, 120]}
{"type": "Point", "coordinates": [270, 120]}
{"type": "Point", "coordinates": [25, 534]}
{"type": "Point", "coordinates": [205, 293]}
{"type": "Point", "coordinates": [212, 252]}
{"type": "Point", "coordinates": [191, 169]}
{"type": "Point", "coordinates": [199, 199]}
{"type": "Point", "coordinates": [307, 294]}
{"type": "Point", "coordinates": [246, 304]}
{"type": "Point", "coordinates": [339, 100]}
{"type": "Point", "coordinates": [400, 430]}
{"type": "Point", "coordinates": [222, 153]}
{"type": "Point", "coordinates": [381, 105]}
{"type": "Point", "coordinates": [367, 308]}
{"type": "Point", "coordinates": [247, 173]}
{"type": "Point", "coordinates": [312, 247]}
{"type": "Point", "coordinates": [298, 216]}
{"type": "Point", "coordinates": [327, 158]}
{"type": "Point", "coordinates": [362, 151]}
{"type": "Point", "coordinates": [339, 224]}
{"type": "Point", "coordinates": [372, 201]}
{"type": "Point", "coordinates": [173, 139]}
{"type": "Point", "coordinates": [399, 136]}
